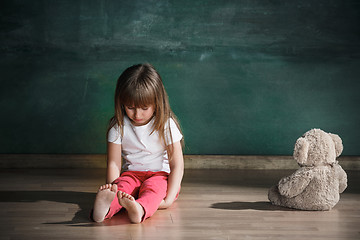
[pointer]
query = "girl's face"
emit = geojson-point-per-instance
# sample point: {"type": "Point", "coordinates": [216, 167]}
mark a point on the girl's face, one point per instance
{"type": "Point", "coordinates": [140, 116]}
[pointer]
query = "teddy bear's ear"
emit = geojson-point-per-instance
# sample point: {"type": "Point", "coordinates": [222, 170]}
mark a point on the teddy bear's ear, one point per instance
{"type": "Point", "coordinates": [301, 150]}
{"type": "Point", "coordinates": [338, 143]}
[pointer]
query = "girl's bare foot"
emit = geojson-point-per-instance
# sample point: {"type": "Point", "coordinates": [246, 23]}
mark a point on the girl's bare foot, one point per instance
{"type": "Point", "coordinates": [104, 197]}
{"type": "Point", "coordinates": [134, 209]}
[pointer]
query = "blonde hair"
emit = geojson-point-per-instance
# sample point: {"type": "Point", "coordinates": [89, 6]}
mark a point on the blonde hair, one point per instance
{"type": "Point", "coordinates": [140, 86]}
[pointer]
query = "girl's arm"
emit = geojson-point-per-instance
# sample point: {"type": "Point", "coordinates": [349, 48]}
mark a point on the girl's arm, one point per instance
{"type": "Point", "coordinates": [113, 162]}
{"type": "Point", "coordinates": [176, 174]}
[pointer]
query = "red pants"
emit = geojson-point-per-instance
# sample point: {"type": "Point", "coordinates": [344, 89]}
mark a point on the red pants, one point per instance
{"type": "Point", "coordinates": [148, 188]}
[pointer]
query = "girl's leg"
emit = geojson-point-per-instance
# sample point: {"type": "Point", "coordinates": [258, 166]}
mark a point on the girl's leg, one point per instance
{"type": "Point", "coordinates": [128, 183]}
{"type": "Point", "coordinates": [152, 192]}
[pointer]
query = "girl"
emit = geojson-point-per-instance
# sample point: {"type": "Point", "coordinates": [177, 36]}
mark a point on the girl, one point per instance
{"type": "Point", "coordinates": [145, 161]}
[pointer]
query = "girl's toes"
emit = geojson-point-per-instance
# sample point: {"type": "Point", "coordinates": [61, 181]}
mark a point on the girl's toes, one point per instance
{"type": "Point", "coordinates": [114, 188]}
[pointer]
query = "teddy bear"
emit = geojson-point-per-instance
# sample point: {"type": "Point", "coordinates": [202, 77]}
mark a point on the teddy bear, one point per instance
{"type": "Point", "coordinates": [317, 184]}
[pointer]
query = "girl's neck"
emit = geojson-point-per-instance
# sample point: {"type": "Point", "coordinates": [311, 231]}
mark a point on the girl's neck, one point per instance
{"type": "Point", "coordinates": [139, 125]}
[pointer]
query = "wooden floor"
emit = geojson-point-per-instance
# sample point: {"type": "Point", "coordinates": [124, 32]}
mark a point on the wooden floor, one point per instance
{"type": "Point", "coordinates": [214, 204]}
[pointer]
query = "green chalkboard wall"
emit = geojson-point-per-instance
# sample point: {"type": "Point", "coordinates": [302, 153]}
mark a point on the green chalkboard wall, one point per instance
{"type": "Point", "coordinates": [243, 76]}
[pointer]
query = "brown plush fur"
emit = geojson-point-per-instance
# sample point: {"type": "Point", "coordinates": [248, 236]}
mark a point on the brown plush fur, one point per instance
{"type": "Point", "coordinates": [320, 180]}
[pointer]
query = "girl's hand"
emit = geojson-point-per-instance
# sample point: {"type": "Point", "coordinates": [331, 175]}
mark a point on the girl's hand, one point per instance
{"type": "Point", "coordinates": [165, 203]}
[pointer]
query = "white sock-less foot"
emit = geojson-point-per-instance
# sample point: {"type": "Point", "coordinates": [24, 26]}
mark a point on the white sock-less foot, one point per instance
{"type": "Point", "coordinates": [134, 209]}
{"type": "Point", "coordinates": [104, 197]}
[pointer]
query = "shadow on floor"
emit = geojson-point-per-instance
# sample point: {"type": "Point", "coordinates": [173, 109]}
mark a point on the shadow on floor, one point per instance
{"type": "Point", "coordinates": [84, 200]}
{"type": "Point", "coordinates": [263, 206]}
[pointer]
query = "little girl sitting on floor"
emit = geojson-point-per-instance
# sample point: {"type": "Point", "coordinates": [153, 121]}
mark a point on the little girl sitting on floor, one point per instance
{"type": "Point", "coordinates": [145, 161]}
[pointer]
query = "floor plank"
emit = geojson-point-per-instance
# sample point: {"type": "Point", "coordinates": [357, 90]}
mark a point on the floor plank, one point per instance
{"type": "Point", "coordinates": [214, 204]}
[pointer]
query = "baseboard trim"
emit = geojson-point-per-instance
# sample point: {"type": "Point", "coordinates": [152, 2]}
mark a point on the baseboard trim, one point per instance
{"type": "Point", "coordinates": [191, 161]}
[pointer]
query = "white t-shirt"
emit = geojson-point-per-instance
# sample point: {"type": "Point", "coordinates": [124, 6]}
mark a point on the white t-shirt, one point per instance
{"type": "Point", "coordinates": [142, 151]}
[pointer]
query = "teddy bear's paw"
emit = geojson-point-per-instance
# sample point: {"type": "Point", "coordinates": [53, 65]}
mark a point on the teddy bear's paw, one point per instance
{"type": "Point", "coordinates": [274, 196]}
